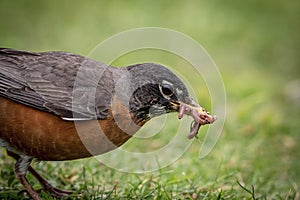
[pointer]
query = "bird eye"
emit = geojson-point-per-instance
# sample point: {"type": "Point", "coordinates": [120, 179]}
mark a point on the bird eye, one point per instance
{"type": "Point", "coordinates": [166, 89]}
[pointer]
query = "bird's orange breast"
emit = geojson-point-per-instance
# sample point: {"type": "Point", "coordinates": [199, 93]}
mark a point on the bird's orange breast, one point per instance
{"type": "Point", "coordinates": [47, 137]}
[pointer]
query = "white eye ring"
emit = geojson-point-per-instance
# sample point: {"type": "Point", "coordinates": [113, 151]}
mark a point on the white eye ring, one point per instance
{"type": "Point", "coordinates": [166, 90]}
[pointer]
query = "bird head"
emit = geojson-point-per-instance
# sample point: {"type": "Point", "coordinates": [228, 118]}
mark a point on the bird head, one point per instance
{"type": "Point", "coordinates": [157, 91]}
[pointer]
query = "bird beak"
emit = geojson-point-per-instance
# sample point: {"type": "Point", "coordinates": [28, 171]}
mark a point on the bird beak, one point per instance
{"type": "Point", "coordinates": [200, 115]}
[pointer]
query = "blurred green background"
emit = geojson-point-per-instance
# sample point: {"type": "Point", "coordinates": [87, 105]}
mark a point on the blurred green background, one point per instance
{"type": "Point", "coordinates": [256, 46]}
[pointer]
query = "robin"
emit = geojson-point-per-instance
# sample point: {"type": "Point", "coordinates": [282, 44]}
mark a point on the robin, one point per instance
{"type": "Point", "coordinates": [57, 106]}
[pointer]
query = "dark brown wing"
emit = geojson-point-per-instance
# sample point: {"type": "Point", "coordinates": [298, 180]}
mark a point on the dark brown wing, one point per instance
{"type": "Point", "coordinates": [65, 84]}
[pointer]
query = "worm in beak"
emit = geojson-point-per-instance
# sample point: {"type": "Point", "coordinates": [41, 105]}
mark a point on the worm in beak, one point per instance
{"type": "Point", "coordinates": [200, 115]}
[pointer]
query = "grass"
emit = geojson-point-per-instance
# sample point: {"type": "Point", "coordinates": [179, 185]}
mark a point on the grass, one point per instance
{"type": "Point", "coordinates": [255, 45]}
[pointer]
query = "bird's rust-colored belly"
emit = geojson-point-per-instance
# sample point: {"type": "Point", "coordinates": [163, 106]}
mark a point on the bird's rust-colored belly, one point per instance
{"type": "Point", "coordinates": [47, 137]}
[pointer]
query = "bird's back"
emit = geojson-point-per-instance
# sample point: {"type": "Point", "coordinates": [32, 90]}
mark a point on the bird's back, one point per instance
{"type": "Point", "coordinates": [46, 81]}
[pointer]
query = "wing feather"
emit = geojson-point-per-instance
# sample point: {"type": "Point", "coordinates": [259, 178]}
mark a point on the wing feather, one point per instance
{"type": "Point", "coordinates": [62, 83]}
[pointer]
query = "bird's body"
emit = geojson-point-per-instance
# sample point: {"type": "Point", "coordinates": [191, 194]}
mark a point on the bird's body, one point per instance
{"type": "Point", "coordinates": [63, 106]}
{"type": "Point", "coordinates": [36, 92]}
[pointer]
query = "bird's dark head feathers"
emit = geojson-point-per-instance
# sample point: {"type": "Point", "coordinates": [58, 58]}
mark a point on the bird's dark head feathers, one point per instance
{"type": "Point", "coordinates": [157, 91]}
